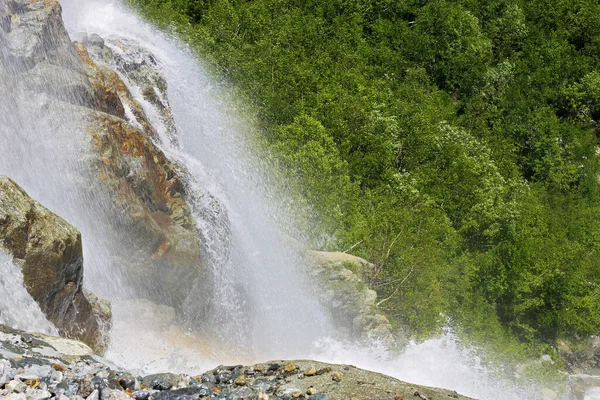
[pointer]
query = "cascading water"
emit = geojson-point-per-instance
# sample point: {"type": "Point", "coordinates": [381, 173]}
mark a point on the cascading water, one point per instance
{"type": "Point", "coordinates": [19, 310]}
{"type": "Point", "coordinates": [258, 304]}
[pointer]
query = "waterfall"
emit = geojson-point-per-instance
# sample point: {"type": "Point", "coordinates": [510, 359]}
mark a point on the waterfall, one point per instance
{"type": "Point", "coordinates": [19, 310]}
{"type": "Point", "coordinates": [257, 302]}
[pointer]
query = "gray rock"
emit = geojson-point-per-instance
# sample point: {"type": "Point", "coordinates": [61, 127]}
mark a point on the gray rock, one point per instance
{"type": "Point", "coordinates": [86, 387]}
{"type": "Point", "coordinates": [344, 292]}
{"type": "Point", "coordinates": [94, 40]}
{"type": "Point", "coordinates": [4, 372]}
{"type": "Point", "coordinates": [37, 394]}
{"type": "Point", "coordinates": [117, 395]}
{"type": "Point", "coordinates": [95, 395]}
{"type": "Point", "coordinates": [15, 396]}
{"type": "Point", "coordinates": [16, 386]}
{"type": "Point", "coordinates": [162, 381]}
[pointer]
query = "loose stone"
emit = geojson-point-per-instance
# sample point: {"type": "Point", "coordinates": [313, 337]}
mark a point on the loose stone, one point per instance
{"type": "Point", "coordinates": [35, 394]}
{"type": "Point", "coordinates": [127, 382]}
{"type": "Point", "coordinates": [208, 379]}
{"type": "Point", "coordinates": [310, 371]}
{"type": "Point", "coordinates": [263, 396]}
{"type": "Point", "coordinates": [15, 396]}
{"type": "Point", "coordinates": [240, 380]}
{"type": "Point", "coordinates": [95, 395]}
{"type": "Point", "coordinates": [336, 376]}
{"type": "Point", "coordinates": [141, 394]}
{"type": "Point", "coordinates": [86, 387]}
{"type": "Point", "coordinates": [16, 386]}
{"type": "Point", "coordinates": [290, 367]}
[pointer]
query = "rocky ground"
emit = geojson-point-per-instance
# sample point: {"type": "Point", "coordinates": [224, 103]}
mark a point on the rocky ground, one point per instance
{"type": "Point", "coordinates": [39, 367]}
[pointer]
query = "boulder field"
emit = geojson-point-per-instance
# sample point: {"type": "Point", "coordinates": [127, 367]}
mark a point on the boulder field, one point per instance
{"type": "Point", "coordinates": [36, 366]}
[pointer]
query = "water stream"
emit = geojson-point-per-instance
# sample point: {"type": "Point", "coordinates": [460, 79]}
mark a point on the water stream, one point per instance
{"type": "Point", "coordinates": [262, 305]}
{"type": "Point", "coordinates": [19, 303]}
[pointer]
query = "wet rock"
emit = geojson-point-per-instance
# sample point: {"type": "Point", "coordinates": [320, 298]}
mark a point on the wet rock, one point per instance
{"type": "Point", "coordinates": [16, 386]}
{"type": "Point", "coordinates": [240, 380]}
{"type": "Point", "coordinates": [262, 396]}
{"type": "Point", "coordinates": [548, 394]}
{"type": "Point", "coordinates": [289, 367]}
{"type": "Point", "coordinates": [35, 34]}
{"type": "Point", "coordinates": [208, 379]}
{"type": "Point", "coordinates": [127, 382]}
{"type": "Point", "coordinates": [147, 190]}
{"type": "Point", "coordinates": [581, 356]}
{"type": "Point", "coordinates": [161, 231]}
{"type": "Point", "coordinates": [52, 264]}
{"type": "Point", "coordinates": [141, 394]}
{"type": "Point", "coordinates": [85, 387]}
{"type": "Point", "coordinates": [223, 377]}
{"type": "Point", "coordinates": [342, 279]}
{"type": "Point", "coordinates": [141, 70]}
{"type": "Point", "coordinates": [336, 376]}
{"type": "Point", "coordinates": [37, 394]}
{"type": "Point", "coordinates": [273, 367]}
{"type": "Point", "coordinates": [15, 396]}
{"type": "Point", "coordinates": [4, 372]}
{"type": "Point", "coordinates": [94, 40]}
{"type": "Point", "coordinates": [95, 395]}
{"type": "Point", "coordinates": [117, 395]}
{"type": "Point", "coordinates": [162, 381]}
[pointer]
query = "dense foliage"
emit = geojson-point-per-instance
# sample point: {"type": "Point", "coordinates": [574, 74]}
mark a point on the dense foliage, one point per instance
{"type": "Point", "coordinates": [451, 142]}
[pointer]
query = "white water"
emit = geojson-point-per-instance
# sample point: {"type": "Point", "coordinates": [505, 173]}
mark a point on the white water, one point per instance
{"type": "Point", "coordinates": [262, 308]}
{"type": "Point", "coordinates": [15, 302]}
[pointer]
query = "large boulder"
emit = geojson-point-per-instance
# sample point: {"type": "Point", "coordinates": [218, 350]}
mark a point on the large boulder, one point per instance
{"type": "Point", "coordinates": [35, 45]}
{"type": "Point", "coordinates": [50, 252]}
{"type": "Point", "coordinates": [343, 290]}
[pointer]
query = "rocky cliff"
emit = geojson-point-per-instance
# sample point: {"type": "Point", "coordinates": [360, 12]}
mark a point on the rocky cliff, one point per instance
{"type": "Point", "coordinates": [119, 151]}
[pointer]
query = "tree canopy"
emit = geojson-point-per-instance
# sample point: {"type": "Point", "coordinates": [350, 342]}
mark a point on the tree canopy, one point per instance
{"type": "Point", "coordinates": [451, 142]}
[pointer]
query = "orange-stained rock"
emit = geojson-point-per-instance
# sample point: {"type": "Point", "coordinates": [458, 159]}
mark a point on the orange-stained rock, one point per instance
{"type": "Point", "coordinates": [146, 187]}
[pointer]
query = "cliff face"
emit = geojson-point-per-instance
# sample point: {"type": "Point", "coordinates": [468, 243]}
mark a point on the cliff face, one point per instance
{"type": "Point", "coordinates": [57, 77]}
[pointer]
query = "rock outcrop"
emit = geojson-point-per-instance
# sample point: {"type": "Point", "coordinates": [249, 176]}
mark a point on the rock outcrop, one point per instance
{"type": "Point", "coordinates": [121, 157]}
{"type": "Point", "coordinates": [344, 291]}
{"type": "Point", "coordinates": [50, 252]}
{"type": "Point", "coordinates": [581, 357]}
{"type": "Point", "coordinates": [44, 367]}
{"type": "Point", "coordinates": [582, 360]}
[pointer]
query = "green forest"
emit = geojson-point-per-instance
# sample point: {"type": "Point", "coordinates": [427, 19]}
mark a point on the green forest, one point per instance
{"type": "Point", "coordinates": [452, 143]}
